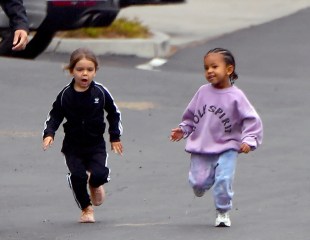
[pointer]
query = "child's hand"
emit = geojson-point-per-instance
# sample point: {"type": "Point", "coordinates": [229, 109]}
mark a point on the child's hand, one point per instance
{"type": "Point", "coordinates": [176, 134]}
{"type": "Point", "coordinates": [117, 147]}
{"type": "Point", "coordinates": [245, 148]}
{"type": "Point", "coordinates": [47, 142]}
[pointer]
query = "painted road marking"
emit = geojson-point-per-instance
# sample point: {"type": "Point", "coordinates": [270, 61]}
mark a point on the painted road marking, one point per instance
{"type": "Point", "coordinates": [153, 64]}
{"type": "Point", "coordinates": [22, 134]}
{"type": "Point", "coordinates": [140, 106]}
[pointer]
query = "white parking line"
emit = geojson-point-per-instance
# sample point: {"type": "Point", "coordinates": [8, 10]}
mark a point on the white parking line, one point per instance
{"type": "Point", "coordinates": [153, 64]}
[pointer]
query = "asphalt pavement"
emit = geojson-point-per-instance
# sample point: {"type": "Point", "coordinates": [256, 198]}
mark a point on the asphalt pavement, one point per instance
{"type": "Point", "coordinates": [149, 196]}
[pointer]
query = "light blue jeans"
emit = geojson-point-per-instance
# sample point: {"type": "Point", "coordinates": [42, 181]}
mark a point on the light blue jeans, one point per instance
{"type": "Point", "coordinates": [217, 170]}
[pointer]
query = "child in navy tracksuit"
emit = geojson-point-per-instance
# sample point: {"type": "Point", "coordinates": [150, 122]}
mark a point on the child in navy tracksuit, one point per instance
{"type": "Point", "coordinates": [83, 104]}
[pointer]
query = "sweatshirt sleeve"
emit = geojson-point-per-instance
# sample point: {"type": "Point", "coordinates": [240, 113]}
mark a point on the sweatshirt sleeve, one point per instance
{"type": "Point", "coordinates": [16, 13]}
{"type": "Point", "coordinates": [113, 117]}
{"type": "Point", "coordinates": [252, 129]}
{"type": "Point", "coordinates": [54, 119]}
{"type": "Point", "coordinates": [187, 124]}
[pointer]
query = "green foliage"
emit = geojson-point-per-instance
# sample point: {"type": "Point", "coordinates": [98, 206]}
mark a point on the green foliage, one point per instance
{"type": "Point", "coordinates": [120, 28]}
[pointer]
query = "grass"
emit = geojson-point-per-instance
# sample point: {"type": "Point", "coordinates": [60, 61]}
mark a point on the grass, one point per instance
{"type": "Point", "coordinates": [120, 28]}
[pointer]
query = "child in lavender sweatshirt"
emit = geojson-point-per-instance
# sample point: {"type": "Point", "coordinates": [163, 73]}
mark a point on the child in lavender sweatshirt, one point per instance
{"type": "Point", "coordinates": [219, 122]}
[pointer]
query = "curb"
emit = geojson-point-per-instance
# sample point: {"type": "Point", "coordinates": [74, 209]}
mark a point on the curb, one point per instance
{"type": "Point", "coordinates": [156, 47]}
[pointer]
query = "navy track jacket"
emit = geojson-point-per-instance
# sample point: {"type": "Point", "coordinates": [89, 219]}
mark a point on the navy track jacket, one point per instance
{"type": "Point", "coordinates": [84, 112]}
{"type": "Point", "coordinates": [16, 12]}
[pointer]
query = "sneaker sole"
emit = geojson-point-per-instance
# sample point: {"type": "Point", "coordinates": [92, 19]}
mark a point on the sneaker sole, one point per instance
{"type": "Point", "coordinates": [87, 221]}
{"type": "Point", "coordinates": [222, 225]}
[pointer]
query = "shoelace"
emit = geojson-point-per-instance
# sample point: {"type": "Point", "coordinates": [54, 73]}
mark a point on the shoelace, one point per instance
{"type": "Point", "coordinates": [87, 211]}
{"type": "Point", "coordinates": [223, 215]}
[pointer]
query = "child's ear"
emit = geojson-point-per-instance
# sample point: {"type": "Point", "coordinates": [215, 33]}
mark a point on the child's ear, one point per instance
{"type": "Point", "coordinates": [230, 69]}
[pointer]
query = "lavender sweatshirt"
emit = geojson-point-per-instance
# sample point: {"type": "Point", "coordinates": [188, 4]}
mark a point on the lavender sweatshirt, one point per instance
{"type": "Point", "coordinates": [220, 119]}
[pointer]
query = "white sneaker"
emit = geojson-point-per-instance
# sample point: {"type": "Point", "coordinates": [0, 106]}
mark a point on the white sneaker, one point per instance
{"type": "Point", "coordinates": [199, 192]}
{"type": "Point", "coordinates": [222, 219]}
